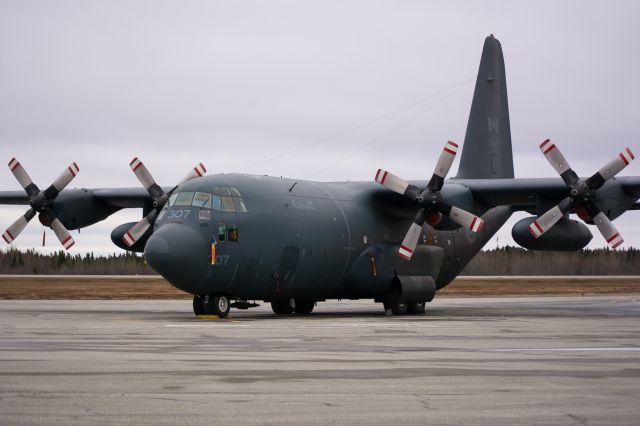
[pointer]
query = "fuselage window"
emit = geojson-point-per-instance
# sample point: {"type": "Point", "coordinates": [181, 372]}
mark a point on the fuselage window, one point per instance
{"type": "Point", "coordinates": [232, 233]}
{"type": "Point", "coordinates": [184, 199]}
{"type": "Point", "coordinates": [222, 232]}
{"type": "Point", "coordinates": [202, 199]}
{"type": "Point", "coordinates": [227, 204]}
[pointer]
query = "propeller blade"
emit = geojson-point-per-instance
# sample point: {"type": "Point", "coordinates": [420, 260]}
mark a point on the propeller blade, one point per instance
{"type": "Point", "coordinates": [605, 226]}
{"type": "Point", "coordinates": [391, 181]}
{"type": "Point", "coordinates": [411, 239]}
{"type": "Point", "coordinates": [198, 171]}
{"type": "Point", "coordinates": [23, 178]}
{"type": "Point", "coordinates": [545, 222]}
{"type": "Point", "coordinates": [443, 166]}
{"type": "Point", "coordinates": [145, 178]}
{"type": "Point", "coordinates": [464, 218]}
{"type": "Point", "coordinates": [18, 226]}
{"type": "Point", "coordinates": [137, 231]}
{"type": "Point", "coordinates": [610, 169]}
{"type": "Point", "coordinates": [558, 162]}
{"type": "Point", "coordinates": [142, 173]}
{"type": "Point", "coordinates": [61, 232]}
{"type": "Point", "coordinates": [66, 176]}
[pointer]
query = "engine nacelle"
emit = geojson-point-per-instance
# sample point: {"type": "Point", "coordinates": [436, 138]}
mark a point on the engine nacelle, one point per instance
{"type": "Point", "coordinates": [118, 233]}
{"type": "Point", "coordinates": [566, 235]}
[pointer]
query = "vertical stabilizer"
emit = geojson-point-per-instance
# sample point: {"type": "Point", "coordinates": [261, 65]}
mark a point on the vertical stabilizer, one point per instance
{"type": "Point", "coordinates": [486, 153]}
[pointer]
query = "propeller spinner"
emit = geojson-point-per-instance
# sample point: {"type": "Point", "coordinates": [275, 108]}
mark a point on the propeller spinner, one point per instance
{"type": "Point", "coordinates": [41, 202]}
{"type": "Point", "coordinates": [158, 196]}
{"type": "Point", "coordinates": [433, 207]}
{"type": "Point", "coordinates": [581, 194]}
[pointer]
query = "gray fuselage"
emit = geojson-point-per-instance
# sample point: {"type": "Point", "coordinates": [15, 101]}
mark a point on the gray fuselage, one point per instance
{"type": "Point", "coordinates": [301, 239]}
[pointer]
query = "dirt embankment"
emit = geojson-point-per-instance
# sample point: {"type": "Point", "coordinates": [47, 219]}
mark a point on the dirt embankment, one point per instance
{"type": "Point", "coordinates": [151, 287]}
{"type": "Point", "coordinates": [541, 286]}
{"type": "Point", "coordinates": [84, 287]}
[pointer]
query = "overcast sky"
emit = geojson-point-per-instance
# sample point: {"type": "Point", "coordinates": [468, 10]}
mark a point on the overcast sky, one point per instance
{"type": "Point", "coordinates": [234, 83]}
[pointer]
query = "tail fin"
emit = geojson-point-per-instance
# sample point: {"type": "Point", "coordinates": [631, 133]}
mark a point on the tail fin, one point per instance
{"type": "Point", "coordinates": [486, 153]}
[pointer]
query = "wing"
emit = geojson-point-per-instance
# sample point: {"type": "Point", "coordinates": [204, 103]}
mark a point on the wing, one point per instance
{"type": "Point", "coordinates": [533, 195]}
{"type": "Point", "coordinates": [123, 198]}
{"type": "Point", "coordinates": [79, 208]}
{"type": "Point", "coordinates": [14, 197]}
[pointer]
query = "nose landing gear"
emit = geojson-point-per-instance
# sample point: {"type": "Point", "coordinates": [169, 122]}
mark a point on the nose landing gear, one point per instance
{"type": "Point", "coordinates": [211, 304]}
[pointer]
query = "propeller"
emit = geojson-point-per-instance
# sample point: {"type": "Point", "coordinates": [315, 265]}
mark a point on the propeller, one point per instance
{"type": "Point", "coordinates": [433, 207]}
{"type": "Point", "coordinates": [41, 202]}
{"type": "Point", "coordinates": [581, 194]}
{"type": "Point", "coordinates": [158, 196]}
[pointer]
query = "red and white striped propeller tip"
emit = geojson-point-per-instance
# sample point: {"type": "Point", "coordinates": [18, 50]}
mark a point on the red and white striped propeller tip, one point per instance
{"type": "Point", "coordinates": [627, 156]}
{"type": "Point", "coordinates": [135, 164]}
{"type": "Point", "coordinates": [451, 148]}
{"type": "Point", "coordinates": [200, 169]}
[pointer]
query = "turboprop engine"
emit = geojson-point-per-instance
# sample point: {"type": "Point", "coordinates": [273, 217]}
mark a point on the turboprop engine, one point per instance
{"type": "Point", "coordinates": [565, 235]}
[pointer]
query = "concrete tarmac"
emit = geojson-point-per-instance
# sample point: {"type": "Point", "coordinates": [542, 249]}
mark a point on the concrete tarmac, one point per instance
{"type": "Point", "coordinates": [534, 360]}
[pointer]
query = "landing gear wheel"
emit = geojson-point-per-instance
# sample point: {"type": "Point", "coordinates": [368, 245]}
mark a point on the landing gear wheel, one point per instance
{"type": "Point", "coordinates": [198, 305]}
{"type": "Point", "coordinates": [416, 308]}
{"type": "Point", "coordinates": [396, 308]}
{"type": "Point", "coordinates": [281, 308]}
{"type": "Point", "coordinates": [304, 307]}
{"type": "Point", "coordinates": [217, 304]}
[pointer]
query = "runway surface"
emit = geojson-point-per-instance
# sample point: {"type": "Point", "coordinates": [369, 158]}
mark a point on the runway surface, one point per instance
{"type": "Point", "coordinates": [541, 360]}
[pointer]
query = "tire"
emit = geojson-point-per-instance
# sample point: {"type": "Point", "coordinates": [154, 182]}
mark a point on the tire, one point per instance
{"type": "Point", "coordinates": [304, 307]}
{"type": "Point", "coordinates": [397, 308]}
{"type": "Point", "coordinates": [217, 304]}
{"type": "Point", "coordinates": [281, 308]}
{"type": "Point", "coordinates": [198, 305]}
{"type": "Point", "coordinates": [417, 308]}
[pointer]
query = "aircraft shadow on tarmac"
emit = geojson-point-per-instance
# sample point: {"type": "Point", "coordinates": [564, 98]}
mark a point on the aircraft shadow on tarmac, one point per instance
{"type": "Point", "coordinates": [559, 308]}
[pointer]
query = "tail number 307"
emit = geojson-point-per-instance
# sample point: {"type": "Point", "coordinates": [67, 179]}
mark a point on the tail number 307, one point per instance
{"type": "Point", "coordinates": [178, 214]}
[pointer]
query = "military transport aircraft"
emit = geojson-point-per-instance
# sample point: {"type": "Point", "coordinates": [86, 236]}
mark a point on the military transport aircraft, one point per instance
{"type": "Point", "coordinates": [232, 239]}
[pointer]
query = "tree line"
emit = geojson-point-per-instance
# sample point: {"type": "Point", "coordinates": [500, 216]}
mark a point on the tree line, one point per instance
{"type": "Point", "coordinates": [510, 260]}
{"type": "Point", "coordinates": [500, 261]}
{"type": "Point", "coordinates": [13, 261]}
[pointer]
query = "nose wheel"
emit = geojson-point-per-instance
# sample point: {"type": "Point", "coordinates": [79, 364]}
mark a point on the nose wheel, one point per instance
{"type": "Point", "coordinates": [211, 304]}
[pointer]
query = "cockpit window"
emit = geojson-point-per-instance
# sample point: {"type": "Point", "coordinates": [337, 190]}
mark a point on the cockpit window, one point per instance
{"type": "Point", "coordinates": [184, 199]}
{"type": "Point", "coordinates": [240, 207]}
{"type": "Point", "coordinates": [227, 204]}
{"type": "Point", "coordinates": [223, 198]}
{"type": "Point", "coordinates": [202, 199]}
{"type": "Point", "coordinates": [216, 202]}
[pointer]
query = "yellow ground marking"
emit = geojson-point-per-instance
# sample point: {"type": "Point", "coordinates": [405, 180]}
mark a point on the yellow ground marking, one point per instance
{"type": "Point", "coordinates": [215, 317]}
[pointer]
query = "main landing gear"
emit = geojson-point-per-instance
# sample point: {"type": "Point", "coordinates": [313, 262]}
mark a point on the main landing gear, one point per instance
{"type": "Point", "coordinates": [404, 308]}
{"type": "Point", "coordinates": [300, 307]}
{"type": "Point", "coordinates": [211, 304]}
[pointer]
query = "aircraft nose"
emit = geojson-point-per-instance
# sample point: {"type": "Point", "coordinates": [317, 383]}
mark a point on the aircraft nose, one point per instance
{"type": "Point", "coordinates": [180, 254]}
